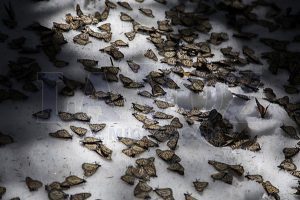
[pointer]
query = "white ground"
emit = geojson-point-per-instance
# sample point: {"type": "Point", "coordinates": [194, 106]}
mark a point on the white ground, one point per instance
{"type": "Point", "coordinates": [37, 155]}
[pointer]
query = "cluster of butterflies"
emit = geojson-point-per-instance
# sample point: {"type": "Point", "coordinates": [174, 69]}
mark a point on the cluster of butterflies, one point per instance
{"type": "Point", "coordinates": [178, 50]}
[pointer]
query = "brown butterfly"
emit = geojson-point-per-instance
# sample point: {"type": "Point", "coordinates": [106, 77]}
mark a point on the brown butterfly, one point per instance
{"type": "Point", "coordinates": [57, 195]}
{"type": "Point", "coordinates": [78, 130]}
{"type": "Point", "coordinates": [176, 167]}
{"type": "Point", "coordinates": [33, 185]}
{"type": "Point", "coordinates": [256, 177]}
{"type": "Point", "coordinates": [200, 186]}
{"type": "Point", "coordinates": [261, 109]}
{"type": "Point", "coordinates": [80, 196]}
{"type": "Point", "coordinates": [290, 152]}
{"type": "Point", "coordinates": [72, 181]}
{"type": "Point", "coordinates": [189, 197]}
{"type": "Point", "coordinates": [223, 176]}
{"type": "Point", "coordinates": [271, 190]}
{"type": "Point", "coordinates": [142, 190]}
{"type": "Point", "coordinates": [62, 134]}
{"type": "Point", "coordinates": [164, 193]}
{"type": "Point", "coordinates": [90, 168]}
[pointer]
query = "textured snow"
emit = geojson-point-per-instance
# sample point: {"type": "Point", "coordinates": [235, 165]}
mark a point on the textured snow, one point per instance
{"type": "Point", "coordinates": [37, 155]}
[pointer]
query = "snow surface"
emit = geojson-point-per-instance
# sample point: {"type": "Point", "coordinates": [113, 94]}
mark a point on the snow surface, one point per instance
{"type": "Point", "coordinates": [37, 155]}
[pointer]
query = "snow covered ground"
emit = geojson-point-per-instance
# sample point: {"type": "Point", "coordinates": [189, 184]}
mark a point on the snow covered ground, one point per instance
{"type": "Point", "coordinates": [37, 155]}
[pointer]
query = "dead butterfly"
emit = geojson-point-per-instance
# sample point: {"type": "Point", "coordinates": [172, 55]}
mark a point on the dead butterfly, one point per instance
{"type": "Point", "coordinates": [82, 39]}
{"type": "Point", "coordinates": [151, 55]}
{"type": "Point", "coordinates": [104, 15]}
{"type": "Point", "coordinates": [88, 62]}
{"type": "Point", "coordinates": [5, 139]}
{"type": "Point", "coordinates": [250, 55]}
{"type": "Point", "coordinates": [290, 131]}
{"type": "Point", "coordinates": [142, 190]}
{"type": "Point", "coordinates": [256, 177]}
{"type": "Point", "coordinates": [130, 35]}
{"type": "Point", "coordinates": [125, 4]}
{"type": "Point", "coordinates": [53, 186]}
{"type": "Point", "coordinates": [148, 165]}
{"type": "Point", "coordinates": [129, 83]}
{"type": "Point", "coordinates": [290, 152]}
{"type": "Point", "coordinates": [97, 127]}
{"type": "Point", "coordinates": [81, 116]}
{"type": "Point", "coordinates": [161, 115]}
{"type": "Point", "coordinates": [223, 176]}
{"type": "Point", "coordinates": [133, 66]}
{"type": "Point", "coordinates": [164, 193]}
{"type": "Point", "coordinates": [196, 85]}
{"type": "Point", "coordinates": [170, 83]}
{"type": "Point", "coordinates": [72, 181]}
{"type": "Point", "coordinates": [33, 185]}
{"type": "Point", "coordinates": [110, 4]}
{"type": "Point", "coordinates": [172, 143]}
{"type": "Point", "coordinates": [2, 191]}
{"type": "Point", "coordinates": [176, 167]}
{"type": "Point", "coordinates": [147, 12]}
{"type": "Point", "coordinates": [287, 165]}
{"type": "Point", "coordinates": [145, 142]}
{"type": "Point", "coordinates": [44, 114]}
{"type": "Point", "coordinates": [64, 116]}
{"type": "Point", "coordinates": [79, 11]}
{"type": "Point", "coordinates": [106, 36]}
{"type": "Point", "coordinates": [162, 104]}
{"type": "Point", "coordinates": [237, 169]}
{"type": "Point", "coordinates": [78, 130]}
{"type": "Point", "coordinates": [157, 90]}
{"type": "Point", "coordinates": [90, 168]}
{"type": "Point", "coordinates": [80, 196]}
{"type": "Point", "coordinates": [105, 27]}
{"type": "Point", "coordinates": [189, 197]}
{"type": "Point", "coordinates": [128, 179]}
{"type": "Point", "coordinates": [57, 195]}
{"type": "Point", "coordinates": [91, 143]}
{"type": "Point", "coordinates": [115, 53]}
{"type": "Point", "coordinates": [218, 38]}
{"type": "Point", "coordinates": [295, 173]}
{"type": "Point", "coordinates": [63, 134]}
{"type": "Point", "coordinates": [241, 96]}
{"type": "Point", "coordinates": [164, 26]}
{"type": "Point", "coordinates": [133, 151]}
{"type": "Point", "coordinates": [168, 156]}
{"type": "Point", "coordinates": [104, 151]}
{"type": "Point", "coordinates": [142, 108]}
{"type": "Point", "coordinates": [127, 141]}
{"type": "Point", "coordinates": [200, 186]}
{"type": "Point", "coordinates": [178, 70]}
{"type": "Point", "coordinates": [88, 89]}
{"type": "Point", "coordinates": [261, 109]}
{"type": "Point", "coordinates": [269, 93]}
{"type": "Point", "coordinates": [120, 43]}
{"type": "Point", "coordinates": [125, 17]}
{"type": "Point", "coordinates": [271, 190]}
{"type": "Point", "coordinates": [61, 26]}
{"type": "Point", "coordinates": [160, 135]}
{"type": "Point", "coordinates": [176, 123]}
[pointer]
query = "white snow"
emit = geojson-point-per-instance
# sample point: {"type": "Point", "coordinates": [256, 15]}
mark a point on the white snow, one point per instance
{"type": "Point", "coordinates": [37, 155]}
